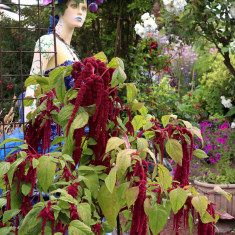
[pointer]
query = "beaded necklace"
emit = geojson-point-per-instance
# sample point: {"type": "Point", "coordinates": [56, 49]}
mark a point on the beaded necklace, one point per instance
{"type": "Point", "coordinates": [69, 47]}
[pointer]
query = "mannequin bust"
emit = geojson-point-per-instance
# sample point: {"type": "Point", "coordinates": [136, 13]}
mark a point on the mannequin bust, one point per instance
{"type": "Point", "coordinates": [73, 17]}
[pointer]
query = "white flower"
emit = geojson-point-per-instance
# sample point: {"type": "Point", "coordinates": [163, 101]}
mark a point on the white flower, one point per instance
{"type": "Point", "coordinates": [222, 97]}
{"type": "Point", "coordinates": [179, 4]}
{"type": "Point", "coordinates": [232, 10]}
{"type": "Point", "coordinates": [233, 125]}
{"type": "Point", "coordinates": [178, 12]}
{"type": "Point", "coordinates": [170, 8]}
{"type": "Point", "coordinates": [145, 16]}
{"type": "Point", "coordinates": [138, 28]}
{"type": "Point", "coordinates": [232, 45]}
{"type": "Point", "coordinates": [150, 25]}
{"type": "Point", "coordinates": [167, 2]}
{"type": "Point", "coordinates": [142, 32]}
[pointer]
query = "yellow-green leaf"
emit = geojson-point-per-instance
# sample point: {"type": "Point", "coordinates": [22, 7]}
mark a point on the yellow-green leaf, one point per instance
{"type": "Point", "coordinates": [131, 195]}
{"type": "Point", "coordinates": [221, 191]}
{"type": "Point", "coordinates": [113, 143]}
{"type": "Point", "coordinates": [200, 203]}
{"type": "Point", "coordinates": [200, 153]}
{"type": "Point", "coordinates": [111, 179]}
{"type": "Point", "coordinates": [174, 149]}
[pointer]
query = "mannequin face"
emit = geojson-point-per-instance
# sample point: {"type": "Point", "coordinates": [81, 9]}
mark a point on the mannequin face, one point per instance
{"type": "Point", "coordinates": [75, 14]}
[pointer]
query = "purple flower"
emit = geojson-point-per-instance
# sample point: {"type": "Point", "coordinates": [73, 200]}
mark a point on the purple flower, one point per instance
{"type": "Point", "coordinates": [195, 146]}
{"type": "Point", "coordinates": [209, 147]}
{"type": "Point", "coordinates": [205, 123]}
{"type": "Point", "coordinates": [218, 156]}
{"type": "Point", "coordinates": [212, 160]}
{"type": "Point", "coordinates": [216, 119]}
{"type": "Point", "coordinates": [205, 173]}
{"type": "Point", "coordinates": [93, 7]}
{"type": "Point", "coordinates": [206, 151]}
{"type": "Point", "coordinates": [199, 140]}
{"type": "Point", "coordinates": [223, 141]}
{"type": "Point", "coordinates": [226, 147]}
{"type": "Point", "coordinates": [195, 166]}
{"type": "Point", "coordinates": [209, 132]}
{"type": "Point", "coordinates": [224, 126]}
{"type": "Point", "coordinates": [216, 133]}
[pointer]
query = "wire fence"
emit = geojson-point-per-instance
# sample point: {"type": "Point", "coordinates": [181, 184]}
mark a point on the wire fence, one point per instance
{"type": "Point", "coordinates": [10, 120]}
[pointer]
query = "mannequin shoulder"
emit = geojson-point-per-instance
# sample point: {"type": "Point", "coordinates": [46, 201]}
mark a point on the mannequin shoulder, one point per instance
{"type": "Point", "coordinates": [45, 43]}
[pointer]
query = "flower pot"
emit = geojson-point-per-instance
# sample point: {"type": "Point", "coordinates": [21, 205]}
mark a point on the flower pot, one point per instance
{"type": "Point", "coordinates": [221, 202]}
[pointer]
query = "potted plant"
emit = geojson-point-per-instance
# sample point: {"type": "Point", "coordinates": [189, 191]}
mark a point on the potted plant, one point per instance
{"type": "Point", "coordinates": [49, 192]}
{"type": "Point", "coordinates": [218, 169]}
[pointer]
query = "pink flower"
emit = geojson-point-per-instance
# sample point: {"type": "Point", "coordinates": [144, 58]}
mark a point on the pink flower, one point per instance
{"type": "Point", "coordinates": [226, 147]}
{"type": "Point", "coordinates": [209, 147]}
{"type": "Point", "coordinates": [212, 160]}
{"type": "Point", "coordinates": [46, 2]}
{"type": "Point", "coordinates": [216, 119]}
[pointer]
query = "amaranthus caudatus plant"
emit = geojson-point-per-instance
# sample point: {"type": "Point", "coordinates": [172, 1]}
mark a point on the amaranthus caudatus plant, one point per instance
{"type": "Point", "coordinates": [102, 168]}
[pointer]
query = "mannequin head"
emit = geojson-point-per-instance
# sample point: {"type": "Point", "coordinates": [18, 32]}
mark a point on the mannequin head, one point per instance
{"type": "Point", "coordinates": [75, 14]}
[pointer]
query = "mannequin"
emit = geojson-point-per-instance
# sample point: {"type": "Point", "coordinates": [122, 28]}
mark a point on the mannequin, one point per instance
{"type": "Point", "coordinates": [73, 17]}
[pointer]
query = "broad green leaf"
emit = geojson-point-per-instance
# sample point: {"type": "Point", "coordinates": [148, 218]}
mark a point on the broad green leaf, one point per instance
{"type": "Point", "coordinates": [137, 106]}
{"type": "Point", "coordinates": [131, 195]}
{"type": "Point", "coordinates": [84, 212]}
{"type": "Point", "coordinates": [178, 198]}
{"type": "Point", "coordinates": [142, 144]}
{"type": "Point", "coordinates": [158, 217]}
{"type": "Point", "coordinates": [200, 153]}
{"type": "Point", "coordinates": [101, 56]}
{"type": "Point", "coordinates": [92, 182]}
{"type": "Point", "coordinates": [4, 168]}
{"type": "Point", "coordinates": [45, 172]}
{"type": "Point", "coordinates": [11, 140]}
{"type": "Point", "coordinates": [7, 215]}
{"type": "Point", "coordinates": [113, 63]}
{"type": "Point", "coordinates": [131, 93]}
{"type": "Point", "coordinates": [174, 149]}
{"type": "Point", "coordinates": [16, 198]}
{"type": "Point", "coordinates": [60, 88]}
{"type": "Point", "coordinates": [26, 188]}
{"type": "Point", "coordinates": [124, 161]}
{"type": "Point", "coordinates": [13, 168]}
{"type": "Point", "coordinates": [80, 120]}
{"type": "Point", "coordinates": [165, 120]}
{"type": "Point", "coordinates": [138, 122]}
{"type": "Point", "coordinates": [196, 131]}
{"type": "Point", "coordinates": [3, 202]}
{"type": "Point", "coordinates": [28, 101]}
{"type": "Point", "coordinates": [91, 141]}
{"type": "Point", "coordinates": [147, 150]}
{"type": "Point", "coordinates": [200, 203]}
{"type": "Point", "coordinates": [108, 203]}
{"type": "Point", "coordinates": [110, 180]}
{"type": "Point", "coordinates": [224, 193]}
{"type": "Point", "coordinates": [118, 77]}
{"type": "Point", "coordinates": [57, 140]}
{"type": "Point", "coordinates": [30, 81]}
{"type": "Point", "coordinates": [165, 178]}
{"type": "Point", "coordinates": [113, 143]}
{"type": "Point", "coordinates": [30, 221]}
{"type": "Point", "coordinates": [55, 74]}
{"type": "Point", "coordinates": [187, 124]}
{"type": "Point", "coordinates": [106, 227]}
{"type": "Point", "coordinates": [35, 163]}
{"type": "Point", "coordinates": [64, 115]}
{"type": "Point", "coordinates": [230, 112]}
{"type": "Point", "coordinates": [207, 218]}
{"type": "Point", "coordinates": [147, 206]}
{"type": "Point", "coordinates": [6, 230]}
{"type": "Point", "coordinates": [88, 152]}
{"type": "Point", "coordinates": [121, 195]}
{"type": "Point", "coordinates": [80, 227]}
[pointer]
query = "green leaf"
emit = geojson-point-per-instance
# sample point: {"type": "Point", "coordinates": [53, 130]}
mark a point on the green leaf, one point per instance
{"type": "Point", "coordinates": [165, 178]}
{"type": "Point", "coordinates": [6, 230]}
{"type": "Point", "coordinates": [7, 215]}
{"type": "Point", "coordinates": [109, 204]}
{"type": "Point", "coordinates": [88, 152]}
{"type": "Point", "coordinates": [26, 188]}
{"type": "Point", "coordinates": [111, 179]}
{"type": "Point", "coordinates": [3, 202]}
{"type": "Point", "coordinates": [101, 56]}
{"type": "Point", "coordinates": [77, 227]}
{"type": "Point", "coordinates": [158, 217]}
{"type": "Point", "coordinates": [57, 140]}
{"type": "Point", "coordinates": [207, 218]}
{"type": "Point", "coordinates": [124, 161]}
{"type": "Point", "coordinates": [65, 114]}
{"type": "Point", "coordinates": [142, 144]}
{"type": "Point", "coordinates": [80, 121]}
{"type": "Point", "coordinates": [35, 163]}
{"type": "Point", "coordinates": [60, 88]}
{"type": "Point", "coordinates": [131, 195]}
{"type": "Point", "coordinates": [174, 149]}
{"type": "Point", "coordinates": [222, 192]}
{"type": "Point", "coordinates": [118, 77]}
{"type": "Point", "coordinates": [31, 81]}
{"type": "Point", "coordinates": [200, 153]}
{"type": "Point", "coordinates": [30, 221]}
{"type": "Point", "coordinates": [91, 141]}
{"type": "Point", "coordinates": [165, 120]}
{"type": "Point", "coordinates": [113, 143]}
{"type": "Point", "coordinates": [11, 140]}
{"type": "Point", "coordinates": [45, 172]}
{"type": "Point", "coordinates": [106, 227]}
{"type": "Point", "coordinates": [92, 182]}
{"type": "Point", "coordinates": [138, 122]}
{"type": "Point", "coordinates": [147, 206]}
{"type": "Point", "coordinates": [131, 93]}
{"type": "Point", "coordinates": [137, 106]}
{"type": "Point", "coordinates": [4, 168]}
{"type": "Point", "coordinates": [84, 212]}
{"type": "Point", "coordinates": [231, 112]}
{"type": "Point", "coordinates": [190, 222]}
{"type": "Point", "coordinates": [178, 198]}
{"type": "Point", "coordinates": [147, 150]}
{"type": "Point", "coordinates": [16, 198]}
{"type": "Point", "coordinates": [196, 131]}
{"type": "Point", "coordinates": [28, 101]}
{"type": "Point", "coordinates": [200, 203]}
